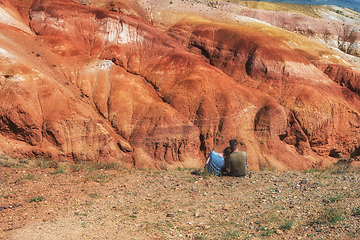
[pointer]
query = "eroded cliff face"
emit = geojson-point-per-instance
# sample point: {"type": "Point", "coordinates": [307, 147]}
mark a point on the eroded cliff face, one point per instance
{"type": "Point", "coordinates": [84, 83]}
{"type": "Point", "coordinates": [324, 110]}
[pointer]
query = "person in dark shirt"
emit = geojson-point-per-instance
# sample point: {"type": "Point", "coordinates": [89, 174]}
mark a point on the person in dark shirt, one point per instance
{"type": "Point", "coordinates": [237, 160]}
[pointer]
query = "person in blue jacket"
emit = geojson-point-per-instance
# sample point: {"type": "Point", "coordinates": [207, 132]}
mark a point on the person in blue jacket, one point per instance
{"type": "Point", "coordinates": [215, 163]}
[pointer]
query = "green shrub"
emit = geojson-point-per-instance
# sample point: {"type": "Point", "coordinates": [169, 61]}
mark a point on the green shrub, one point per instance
{"type": "Point", "coordinates": [57, 171]}
{"type": "Point", "coordinates": [340, 168]}
{"type": "Point", "coordinates": [28, 176]}
{"type": "Point", "coordinates": [104, 165]}
{"type": "Point", "coordinates": [330, 215]}
{"type": "Point", "coordinates": [43, 164]}
{"type": "Point", "coordinates": [356, 211]}
{"type": "Point", "coordinates": [25, 161]}
{"type": "Point", "coordinates": [76, 167]}
{"type": "Point", "coordinates": [36, 199]}
{"type": "Point", "coordinates": [336, 198]}
{"type": "Point", "coordinates": [98, 177]}
{"type": "Point", "coordinates": [268, 232]}
{"type": "Point", "coordinates": [231, 235]}
{"type": "Point", "coordinates": [94, 195]}
{"type": "Point", "coordinates": [287, 225]}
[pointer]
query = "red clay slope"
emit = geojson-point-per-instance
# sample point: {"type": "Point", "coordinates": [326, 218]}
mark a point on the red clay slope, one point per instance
{"type": "Point", "coordinates": [96, 85]}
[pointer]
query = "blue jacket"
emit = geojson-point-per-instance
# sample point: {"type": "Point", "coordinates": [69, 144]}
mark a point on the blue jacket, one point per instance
{"type": "Point", "coordinates": [216, 162]}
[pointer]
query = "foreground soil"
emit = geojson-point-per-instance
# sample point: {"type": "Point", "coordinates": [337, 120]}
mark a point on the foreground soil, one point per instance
{"type": "Point", "coordinates": [47, 200]}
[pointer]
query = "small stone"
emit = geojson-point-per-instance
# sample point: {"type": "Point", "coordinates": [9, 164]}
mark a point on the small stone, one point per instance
{"type": "Point", "coordinates": [170, 215]}
{"type": "Point", "coordinates": [304, 181]}
{"type": "Point", "coordinates": [206, 227]}
{"type": "Point", "coordinates": [279, 232]}
{"type": "Point", "coordinates": [197, 214]}
{"type": "Point", "coordinates": [226, 207]}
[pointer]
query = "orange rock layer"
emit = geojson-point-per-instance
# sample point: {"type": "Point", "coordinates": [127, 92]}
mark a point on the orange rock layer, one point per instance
{"type": "Point", "coordinates": [89, 84]}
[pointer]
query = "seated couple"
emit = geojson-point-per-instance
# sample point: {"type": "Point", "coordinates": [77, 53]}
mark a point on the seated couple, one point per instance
{"type": "Point", "coordinates": [231, 160]}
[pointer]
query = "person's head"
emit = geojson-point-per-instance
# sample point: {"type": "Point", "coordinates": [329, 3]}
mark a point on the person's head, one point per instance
{"type": "Point", "coordinates": [233, 144]}
{"type": "Point", "coordinates": [227, 151]}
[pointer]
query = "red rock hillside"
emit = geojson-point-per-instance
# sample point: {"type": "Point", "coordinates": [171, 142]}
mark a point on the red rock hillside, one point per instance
{"type": "Point", "coordinates": [160, 84]}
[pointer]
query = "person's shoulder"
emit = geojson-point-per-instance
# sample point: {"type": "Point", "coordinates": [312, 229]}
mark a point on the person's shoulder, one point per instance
{"type": "Point", "coordinates": [238, 154]}
{"type": "Point", "coordinates": [214, 154]}
{"type": "Point", "coordinates": [243, 153]}
{"type": "Point", "coordinates": [211, 153]}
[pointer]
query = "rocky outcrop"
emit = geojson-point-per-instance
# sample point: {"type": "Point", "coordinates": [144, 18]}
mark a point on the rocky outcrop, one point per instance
{"type": "Point", "coordinates": [91, 84]}
{"type": "Point", "coordinates": [259, 61]}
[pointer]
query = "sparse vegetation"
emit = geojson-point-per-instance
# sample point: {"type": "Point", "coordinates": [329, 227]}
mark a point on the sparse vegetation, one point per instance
{"type": "Point", "coordinates": [356, 211]}
{"type": "Point", "coordinates": [76, 167]}
{"type": "Point", "coordinates": [288, 224]}
{"type": "Point", "coordinates": [98, 177]}
{"type": "Point", "coordinates": [193, 203]}
{"type": "Point", "coordinates": [268, 232]}
{"type": "Point", "coordinates": [28, 176]}
{"type": "Point", "coordinates": [80, 214]}
{"type": "Point", "coordinates": [36, 199]}
{"type": "Point", "coordinates": [43, 164]}
{"type": "Point", "coordinates": [104, 166]}
{"type": "Point", "coordinates": [7, 164]}
{"type": "Point", "coordinates": [94, 195]}
{"type": "Point", "coordinates": [231, 235]}
{"type": "Point", "coordinates": [329, 215]}
{"type": "Point", "coordinates": [57, 171]}
{"type": "Point", "coordinates": [336, 198]}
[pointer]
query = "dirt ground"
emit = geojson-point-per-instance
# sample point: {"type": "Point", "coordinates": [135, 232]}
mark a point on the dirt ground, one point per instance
{"type": "Point", "coordinates": [48, 200]}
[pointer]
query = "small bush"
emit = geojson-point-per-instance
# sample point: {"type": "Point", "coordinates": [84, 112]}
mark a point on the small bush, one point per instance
{"type": "Point", "coordinates": [200, 237]}
{"type": "Point", "coordinates": [180, 169]}
{"type": "Point", "coordinates": [231, 235]}
{"type": "Point", "coordinates": [340, 168]}
{"type": "Point", "coordinates": [287, 225]}
{"type": "Point", "coordinates": [163, 166]}
{"type": "Point", "coordinates": [57, 171]}
{"type": "Point", "coordinates": [98, 177]}
{"type": "Point", "coordinates": [28, 176]}
{"type": "Point", "coordinates": [336, 198]}
{"type": "Point", "coordinates": [333, 215]}
{"type": "Point", "coordinates": [7, 164]}
{"type": "Point", "coordinates": [356, 211]}
{"type": "Point", "coordinates": [314, 170]}
{"type": "Point", "coordinates": [24, 161]}
{"type": "Point", "coordinates": [36, 199]}
{"type": "Point", "coordinates": [80, 214]}
{"type": "Point", "coordinates": [76, 167]}
{"type": "Point", "coordinates": [104, 165]}
{"type": "Point", "coordinates": [94, 195]}
{"type": "Point", "coordinates": [268, 232]}
{"type": "Point", "coordinates": [330, 215]}
{"type": "Point", "coordinates": [41, 163]}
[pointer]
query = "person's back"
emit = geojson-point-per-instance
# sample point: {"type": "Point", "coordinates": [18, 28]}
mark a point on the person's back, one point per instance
{"type": "Point", "coordinates": [238, 163]}
{"type": "Point", "coordinates": [215, 163]}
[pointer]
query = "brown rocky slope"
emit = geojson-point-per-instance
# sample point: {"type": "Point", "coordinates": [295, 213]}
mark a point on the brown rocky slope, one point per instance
{"type": "Point", "coordinates": [84, 83]}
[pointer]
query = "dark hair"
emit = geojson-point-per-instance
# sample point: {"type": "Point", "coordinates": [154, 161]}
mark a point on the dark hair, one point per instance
{"type": "Point", "coordinates": [227, 151]}
{"type": "Point", "coordinates": [233, 144]}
